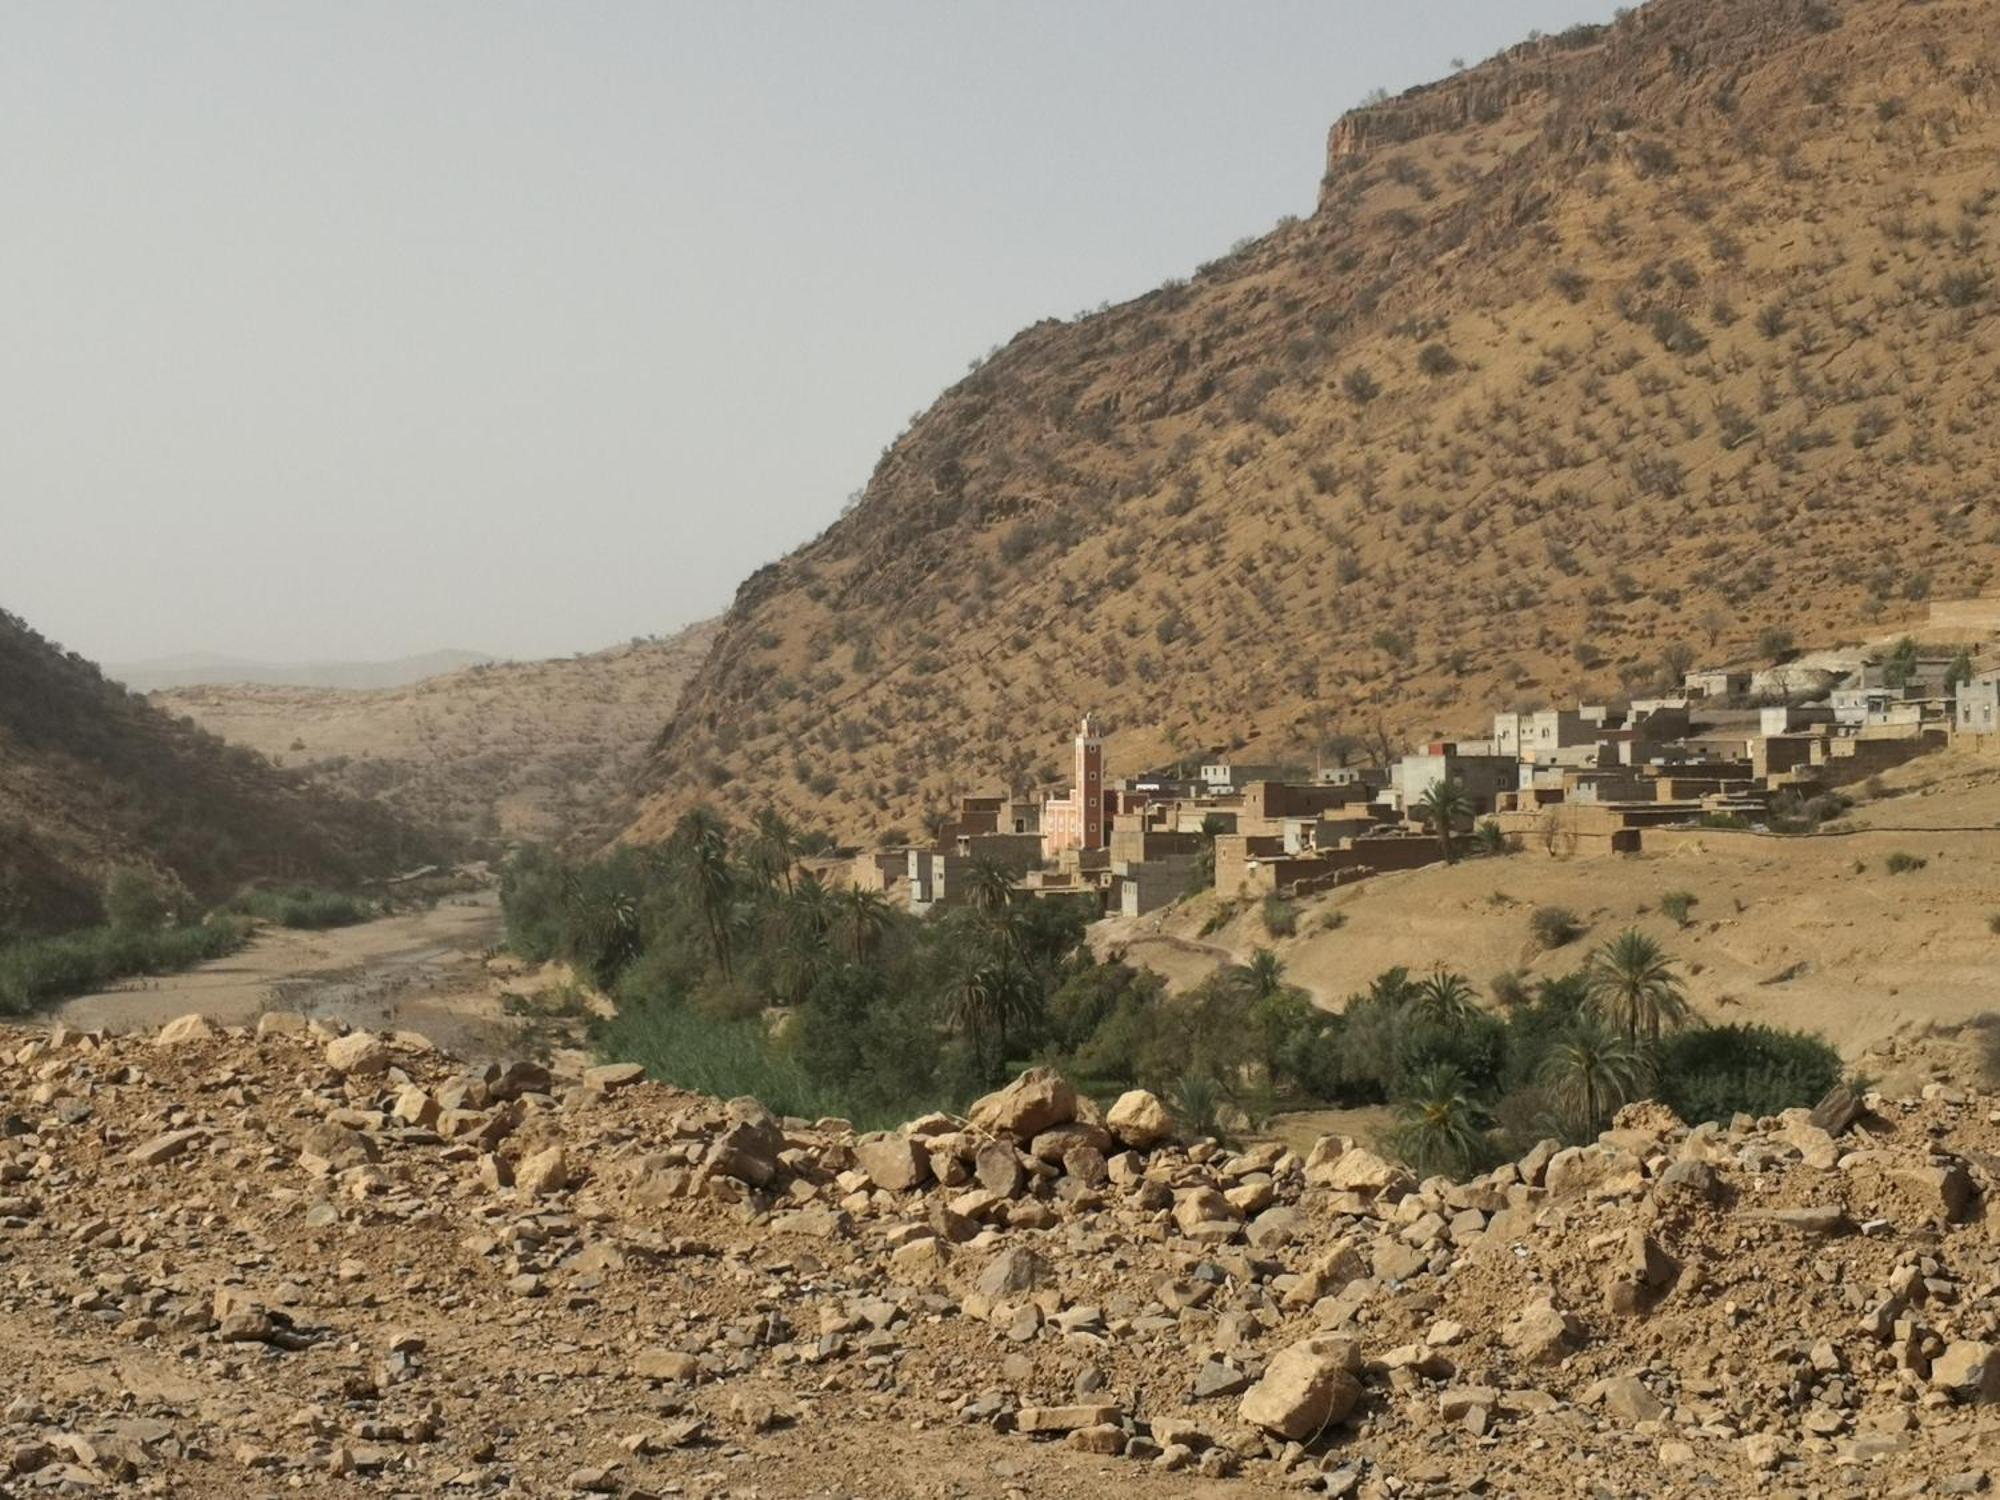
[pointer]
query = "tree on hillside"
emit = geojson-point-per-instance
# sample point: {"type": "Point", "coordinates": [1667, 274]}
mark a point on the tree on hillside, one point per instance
{"type": "Point", "coordinates": [1632, 984]}
{"type": "Point", "coordinates": [1590, 1071]}
{"type": "Point", "coordinates": [1445, 805]}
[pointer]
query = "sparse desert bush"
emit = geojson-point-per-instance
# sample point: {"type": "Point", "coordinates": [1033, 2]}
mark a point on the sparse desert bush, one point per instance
{"type": "Point", "coordinates": [1902, 862]}
{"type": "Point", "coordinates": [1677, 906]}
{"type": "Point", "coordinates": [1554, 926]}
{"type": "Point", "coordinates": [1281, 916]}
{"type": "Point", "coordinates": [1434, 359]}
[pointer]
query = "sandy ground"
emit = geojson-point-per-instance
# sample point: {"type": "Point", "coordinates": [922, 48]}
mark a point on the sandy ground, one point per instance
{"type": "Point", "coordinates": [423, 971]}
{"type": "Point", "coordinates": [1806, 932]}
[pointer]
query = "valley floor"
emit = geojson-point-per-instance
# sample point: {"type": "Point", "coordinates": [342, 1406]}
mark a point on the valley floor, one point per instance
{"type": "Point", "coordinates": [419, 971]}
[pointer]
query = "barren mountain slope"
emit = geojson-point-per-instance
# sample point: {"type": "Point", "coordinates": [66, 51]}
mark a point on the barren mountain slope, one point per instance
{"type": "Point", "coordinates": [91, 776]}
{"type": "Point", "coordinates": [1665, 334]}
{"type": "Point", "coordinates": [540, 749]}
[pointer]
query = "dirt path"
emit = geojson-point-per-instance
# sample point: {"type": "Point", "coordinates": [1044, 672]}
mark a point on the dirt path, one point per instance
{"type": "Point", "coordinates": [422, 971]}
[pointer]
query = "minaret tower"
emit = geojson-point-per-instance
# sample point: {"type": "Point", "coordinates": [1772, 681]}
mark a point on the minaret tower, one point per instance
{"type": "Point", "coordinates": [1090, 781]}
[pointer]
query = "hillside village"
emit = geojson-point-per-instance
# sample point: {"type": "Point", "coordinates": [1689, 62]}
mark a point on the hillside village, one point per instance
{"type": "Point", "coordinates": [1732, 747]}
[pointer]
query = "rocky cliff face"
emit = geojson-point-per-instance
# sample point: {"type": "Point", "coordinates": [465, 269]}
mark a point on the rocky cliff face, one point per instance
{"type": "Point", "coordinates": [1656, 337]}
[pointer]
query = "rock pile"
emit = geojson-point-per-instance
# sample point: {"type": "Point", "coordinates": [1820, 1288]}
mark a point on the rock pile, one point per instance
{"type": "Point", "coordinates": [246, 1263]}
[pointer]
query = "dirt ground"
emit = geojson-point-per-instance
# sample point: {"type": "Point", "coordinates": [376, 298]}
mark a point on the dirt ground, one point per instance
{"type": "Point", "coordinates": [423, 971]}
{"type": "Point", "coordinates": [1806, 932]}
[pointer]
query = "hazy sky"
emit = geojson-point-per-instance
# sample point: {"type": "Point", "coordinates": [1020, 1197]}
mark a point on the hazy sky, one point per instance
{"type": "Point", "coordinates": [348, 329]}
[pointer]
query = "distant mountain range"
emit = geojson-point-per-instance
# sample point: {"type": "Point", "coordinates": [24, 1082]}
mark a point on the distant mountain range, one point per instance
{"type": "Point", "coordinates": [203, 668]}
{"type": "Point", "coordinates": [535, 750]}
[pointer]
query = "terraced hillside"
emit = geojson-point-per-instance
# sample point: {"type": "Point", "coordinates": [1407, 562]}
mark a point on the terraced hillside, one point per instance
{"type": "Point", "coordinates": [1621, 348]}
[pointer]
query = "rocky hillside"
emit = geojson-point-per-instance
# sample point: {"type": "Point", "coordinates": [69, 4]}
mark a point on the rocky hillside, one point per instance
{"type": "Point", "coordinates": [297, 1262]}
{"type": "Point", "coordinates": [1625, 340]}
{"type": "Point", "coordinates": [538, 750]}
{"type": "Point", "coordinates": [92, 776]}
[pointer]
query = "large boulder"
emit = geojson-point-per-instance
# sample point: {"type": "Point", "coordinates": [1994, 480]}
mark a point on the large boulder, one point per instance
{"type": "Point", "coordinates": [1360, 1171]}
{"type": "Point", "coordinates": [1139, 1120]}
{"type": "Point", "coordinates": [893, 1161]}
{"type": "Point", "coordinates": [192, 1027]}
{"type": "Point", "coordinates": [543, 1174]}
{"type": "Point", "coordinates": [359, 1053]}
{"type": "Point", "coordinates": [747, 1148]}
{"type": "Point", "coordinates": [1306, 1388]}
{"type": "Point", "coordinates": [1968, 1370]}
{"type": "Point", "coordinates": [1038, 1099]}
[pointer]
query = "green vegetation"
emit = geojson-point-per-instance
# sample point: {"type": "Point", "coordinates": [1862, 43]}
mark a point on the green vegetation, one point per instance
{"type": "Point", "coordinates": [305, 906]}
{"type": "Point", "coordinates": [1679, 906]}
{"type": "Point", "coordinates": [1713, 1072]}
{"type": "Point", "coordinates": [735, 972]}
{"type": "Point", "coordinates": [1444, 806]}
{"type": "Point", "coordinates": [39, 971]}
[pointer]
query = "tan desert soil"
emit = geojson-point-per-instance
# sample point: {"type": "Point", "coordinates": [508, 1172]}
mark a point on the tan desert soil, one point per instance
{"type": "Point", "coordinates": [295, 1261]}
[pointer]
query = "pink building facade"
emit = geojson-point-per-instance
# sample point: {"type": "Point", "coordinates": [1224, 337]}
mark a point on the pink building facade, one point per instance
{"type": "Point", "coordinates": [1080, 819]}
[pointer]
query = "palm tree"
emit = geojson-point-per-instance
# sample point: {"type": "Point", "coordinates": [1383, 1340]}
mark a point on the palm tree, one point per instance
{"type": "Point", "coordinates": [1438, 1126]}
{"type": "Point", "coordinates": [803, 960]}
{"type": "Point", "coordinates": [1591, 1070]}
{"type": "Point", "coordinates": [988, 887]}
{"type": "Point", "coordinates": [865, 915]}
{"type": "Point", "coordinates": [987, 996]}
{"type": "Point", "coordinates": [812, 908]}
{"type": "Point", "coordinates": [1445, 999]}
{"type": "Point", "coordinates": [702, 841]}
{"type": "Point", "coordinates": [1632, 984]}
{"type": "Point", "coordinates": [1264, 974]}
{"type": "Point", "coordinates": [1444, 805]}
{"type": "Point", "coordinates": [774, 848]}
{"type": "Point", "coordinates": [1392, 987]}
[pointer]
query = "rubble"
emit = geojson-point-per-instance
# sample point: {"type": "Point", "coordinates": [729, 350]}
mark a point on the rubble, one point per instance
{"type": "Point", "coordinates": [252, 1261]}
